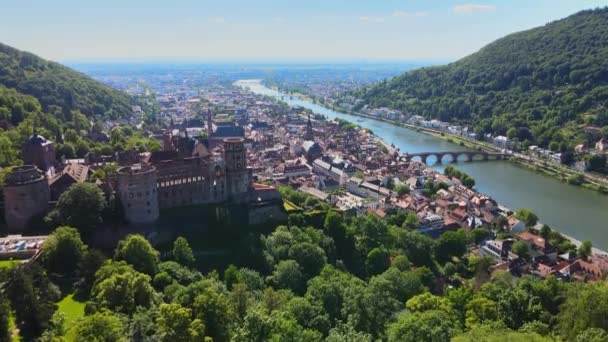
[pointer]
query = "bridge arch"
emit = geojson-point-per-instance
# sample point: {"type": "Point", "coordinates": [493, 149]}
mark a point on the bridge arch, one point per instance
{"type": "Point", "coordinates": [454, 156]}
{"type": "Point", "coordinates": [449, 157]}
{"type": "Point", "coordinates": [466, 157]}
{"type": "Point", "coordinates": [417, 158]}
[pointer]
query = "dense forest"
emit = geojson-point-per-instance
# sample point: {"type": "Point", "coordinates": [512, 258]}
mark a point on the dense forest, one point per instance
{"type": "Point", "coordinates": [540, 86]}
{"type": "Point", "coordinates": [64, 106]}
{"type": "Point", "coordinates": [324, 276]}
{"type": "Point", "coordinates": [72, 132]}
{"type": "Point", "coordinates": [56, 86]}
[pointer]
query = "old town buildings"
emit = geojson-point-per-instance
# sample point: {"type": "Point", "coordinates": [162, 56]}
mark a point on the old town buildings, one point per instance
{"type": "Point", "coordinates": [252, 146]}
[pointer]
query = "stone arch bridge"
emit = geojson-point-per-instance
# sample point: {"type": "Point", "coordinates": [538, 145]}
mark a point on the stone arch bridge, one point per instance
{"type": "Point", "coordinates": [455, 156]}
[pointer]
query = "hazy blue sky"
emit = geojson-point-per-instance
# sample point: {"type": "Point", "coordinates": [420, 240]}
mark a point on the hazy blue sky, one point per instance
{"type": "Point", "coordinates": [278, 29]}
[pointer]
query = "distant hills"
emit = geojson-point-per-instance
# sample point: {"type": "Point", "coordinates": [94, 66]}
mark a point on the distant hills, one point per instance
{"type": "Point", "coordinates": [58, 102]}
{"type": "Point", "coordinates": [539, 86]}
{"type": "Point", "coordinates": [59, 88]}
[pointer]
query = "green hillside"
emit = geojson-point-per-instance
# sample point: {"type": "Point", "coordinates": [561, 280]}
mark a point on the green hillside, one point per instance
{"type": "Point", "coordinates": [63, 105]}
{"type": "Point", "coordinates": [540, 86]}
{"type": "Point", "coordinates": [58, 87]}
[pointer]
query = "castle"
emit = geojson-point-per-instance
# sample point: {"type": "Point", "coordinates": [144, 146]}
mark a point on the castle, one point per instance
{"type": "Point", "coordinates": [186, 173]}
{"type": "Point", "coordinates": [26, 196]}
{"type": "Point", "coordinates": [26, 191]}
{"type": "Point", "coordinates": [144, 189]}
{"type": "Point", "coordinates": [39, 151]}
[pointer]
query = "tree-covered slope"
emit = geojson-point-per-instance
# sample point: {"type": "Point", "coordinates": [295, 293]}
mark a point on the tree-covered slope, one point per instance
{"type": "Point", "coordinates": [65, 106]}
{"type": "Point", "coordinates": [56, 85]}
{"type": "Point", "coordinates": [545, 83]}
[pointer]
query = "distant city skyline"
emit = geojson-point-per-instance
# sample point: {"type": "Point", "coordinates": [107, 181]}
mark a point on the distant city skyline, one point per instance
{"type": "Point", "coordinates": [245, 30]}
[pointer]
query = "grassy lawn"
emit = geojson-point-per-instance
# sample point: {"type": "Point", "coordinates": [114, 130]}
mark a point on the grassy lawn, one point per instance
{"type": "Point", "coordinates": [8, 263]}
{"type": "Point", "coordinates": [12, 327]}
{"type": "Point", "coordinates": [72, 309]}
{"type": "Point", "coordinates": [290, 207]}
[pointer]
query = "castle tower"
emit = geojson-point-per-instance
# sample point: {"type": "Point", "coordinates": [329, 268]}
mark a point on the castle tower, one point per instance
{"type": "Point", "coordinates": [26, 196]}
{"type": "Point", "coordinates": [309, 133]}
{"type": "Point", "coordinates": [168, 141]}
{"type": "Point", "coordinates": [39, 151]}
{"type": "Point", "coordinates": [137, 190]}
{"type": "Point", "coordinates": [238, 176]}
{"type": "Point", "coordinates": [209, 124]}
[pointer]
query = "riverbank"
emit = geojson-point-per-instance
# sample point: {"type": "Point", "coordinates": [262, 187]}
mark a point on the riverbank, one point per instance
{"type": "Point", "coordinates": [568, 209]}
{"type": "Point", "coordinates": [563, 174]}
{"type": "Point", "coordinates": [577, 243]}
{"type": "Point", "coordinates": [475, 145]}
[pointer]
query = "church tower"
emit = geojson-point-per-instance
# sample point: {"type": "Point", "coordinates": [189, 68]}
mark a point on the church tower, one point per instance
{"type": "Point", "coordinates": [309, 133]}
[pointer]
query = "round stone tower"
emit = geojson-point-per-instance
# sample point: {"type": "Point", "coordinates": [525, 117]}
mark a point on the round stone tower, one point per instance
{"type": "Point", "coordinates": [137, 191]}
{"type": "Point", "coordinates": [26, 196]}
{"type": "Point", "coordinates": [238, 177]}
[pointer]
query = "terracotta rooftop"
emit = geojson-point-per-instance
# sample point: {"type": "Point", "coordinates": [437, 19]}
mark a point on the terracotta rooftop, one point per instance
{"type": "Point", "coordinates": [78, 172]}
{"type": "Point", "coordinates": [535, 239]}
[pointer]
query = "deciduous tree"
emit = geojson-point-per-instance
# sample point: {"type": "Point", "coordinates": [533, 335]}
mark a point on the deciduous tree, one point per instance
{"type": "Point", "coordinates": [118, 287]}
{"type": "Point", "coordinates": [378, 261]}
{"type": "Point", "coordinates": [451, 244]}
{"type": "Point", "coordinates": [433, 325]}
{"type": "Point", "coordinates": [310, 257]}
{"type": "Point", "coordinates": [182, 252]}
{"type": "Point", "coordinates": [138, 252]}
{"type": "Point", "coordinates": [215, 312]}
{"type": "Point", "coordinates": [586, 306]}
{"type": "Point", "coordinates": [526, 215]}
{"type": "Point", "coordinates": [63, 251]}
{"type": "Point", "coordinates": [99, 327]}
{"type": "Point", "coordinates": [521, 249]}
{"type": "Point", "coordinates": [480, 310]}
{"type": "Point", "coordinates": [411, 221]}
{"type": "Point", "coordinates": [287, 275]}
{"type": "Point", "coordinates": [174, 324]}
{"type": "Point", "coordinates": [585, 249]}
{"type": "Point", "coordinates": [5, 311]}
{"type": "Point", "coordinates": [80, 206]}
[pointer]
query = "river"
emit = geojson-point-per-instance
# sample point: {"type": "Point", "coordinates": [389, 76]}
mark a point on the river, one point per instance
{"type": "Point", "coordinates": [575, 211]}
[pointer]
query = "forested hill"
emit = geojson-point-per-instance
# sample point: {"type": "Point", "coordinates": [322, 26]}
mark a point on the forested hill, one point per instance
{"type": "Point", "coordinates": [546, 84]}
{"type": "Point", "coordinates": [59, 88]}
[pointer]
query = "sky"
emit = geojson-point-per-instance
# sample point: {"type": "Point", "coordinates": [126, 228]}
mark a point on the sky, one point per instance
{"type": "Point", "coordinates": [354, 30]}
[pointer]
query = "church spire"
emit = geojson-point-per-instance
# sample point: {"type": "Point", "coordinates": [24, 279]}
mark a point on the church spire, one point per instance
{"type": "Point", "coordinates": [309, 133]}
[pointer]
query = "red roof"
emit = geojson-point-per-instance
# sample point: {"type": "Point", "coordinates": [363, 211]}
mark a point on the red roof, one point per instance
{"type": "Point", "coordinates": [262, 187]}
{"type": "Point", "coordinates": [535, 239]}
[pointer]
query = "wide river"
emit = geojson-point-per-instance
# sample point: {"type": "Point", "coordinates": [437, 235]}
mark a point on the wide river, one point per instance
{"type": "Point", "coordinates": [575, 211]}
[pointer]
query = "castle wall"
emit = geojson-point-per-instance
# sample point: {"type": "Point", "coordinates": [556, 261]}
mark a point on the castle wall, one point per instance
{"type": "Point", "coordinates": [271, 211]}
{"type": "Point", "coordinates": [238, 176]}
{"type": "Point", "coordinates": [26, 196]}
{"type": "Point", "coordinates": [138, 193]}
{"type": "Point", "coordinates": [190, 181]}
